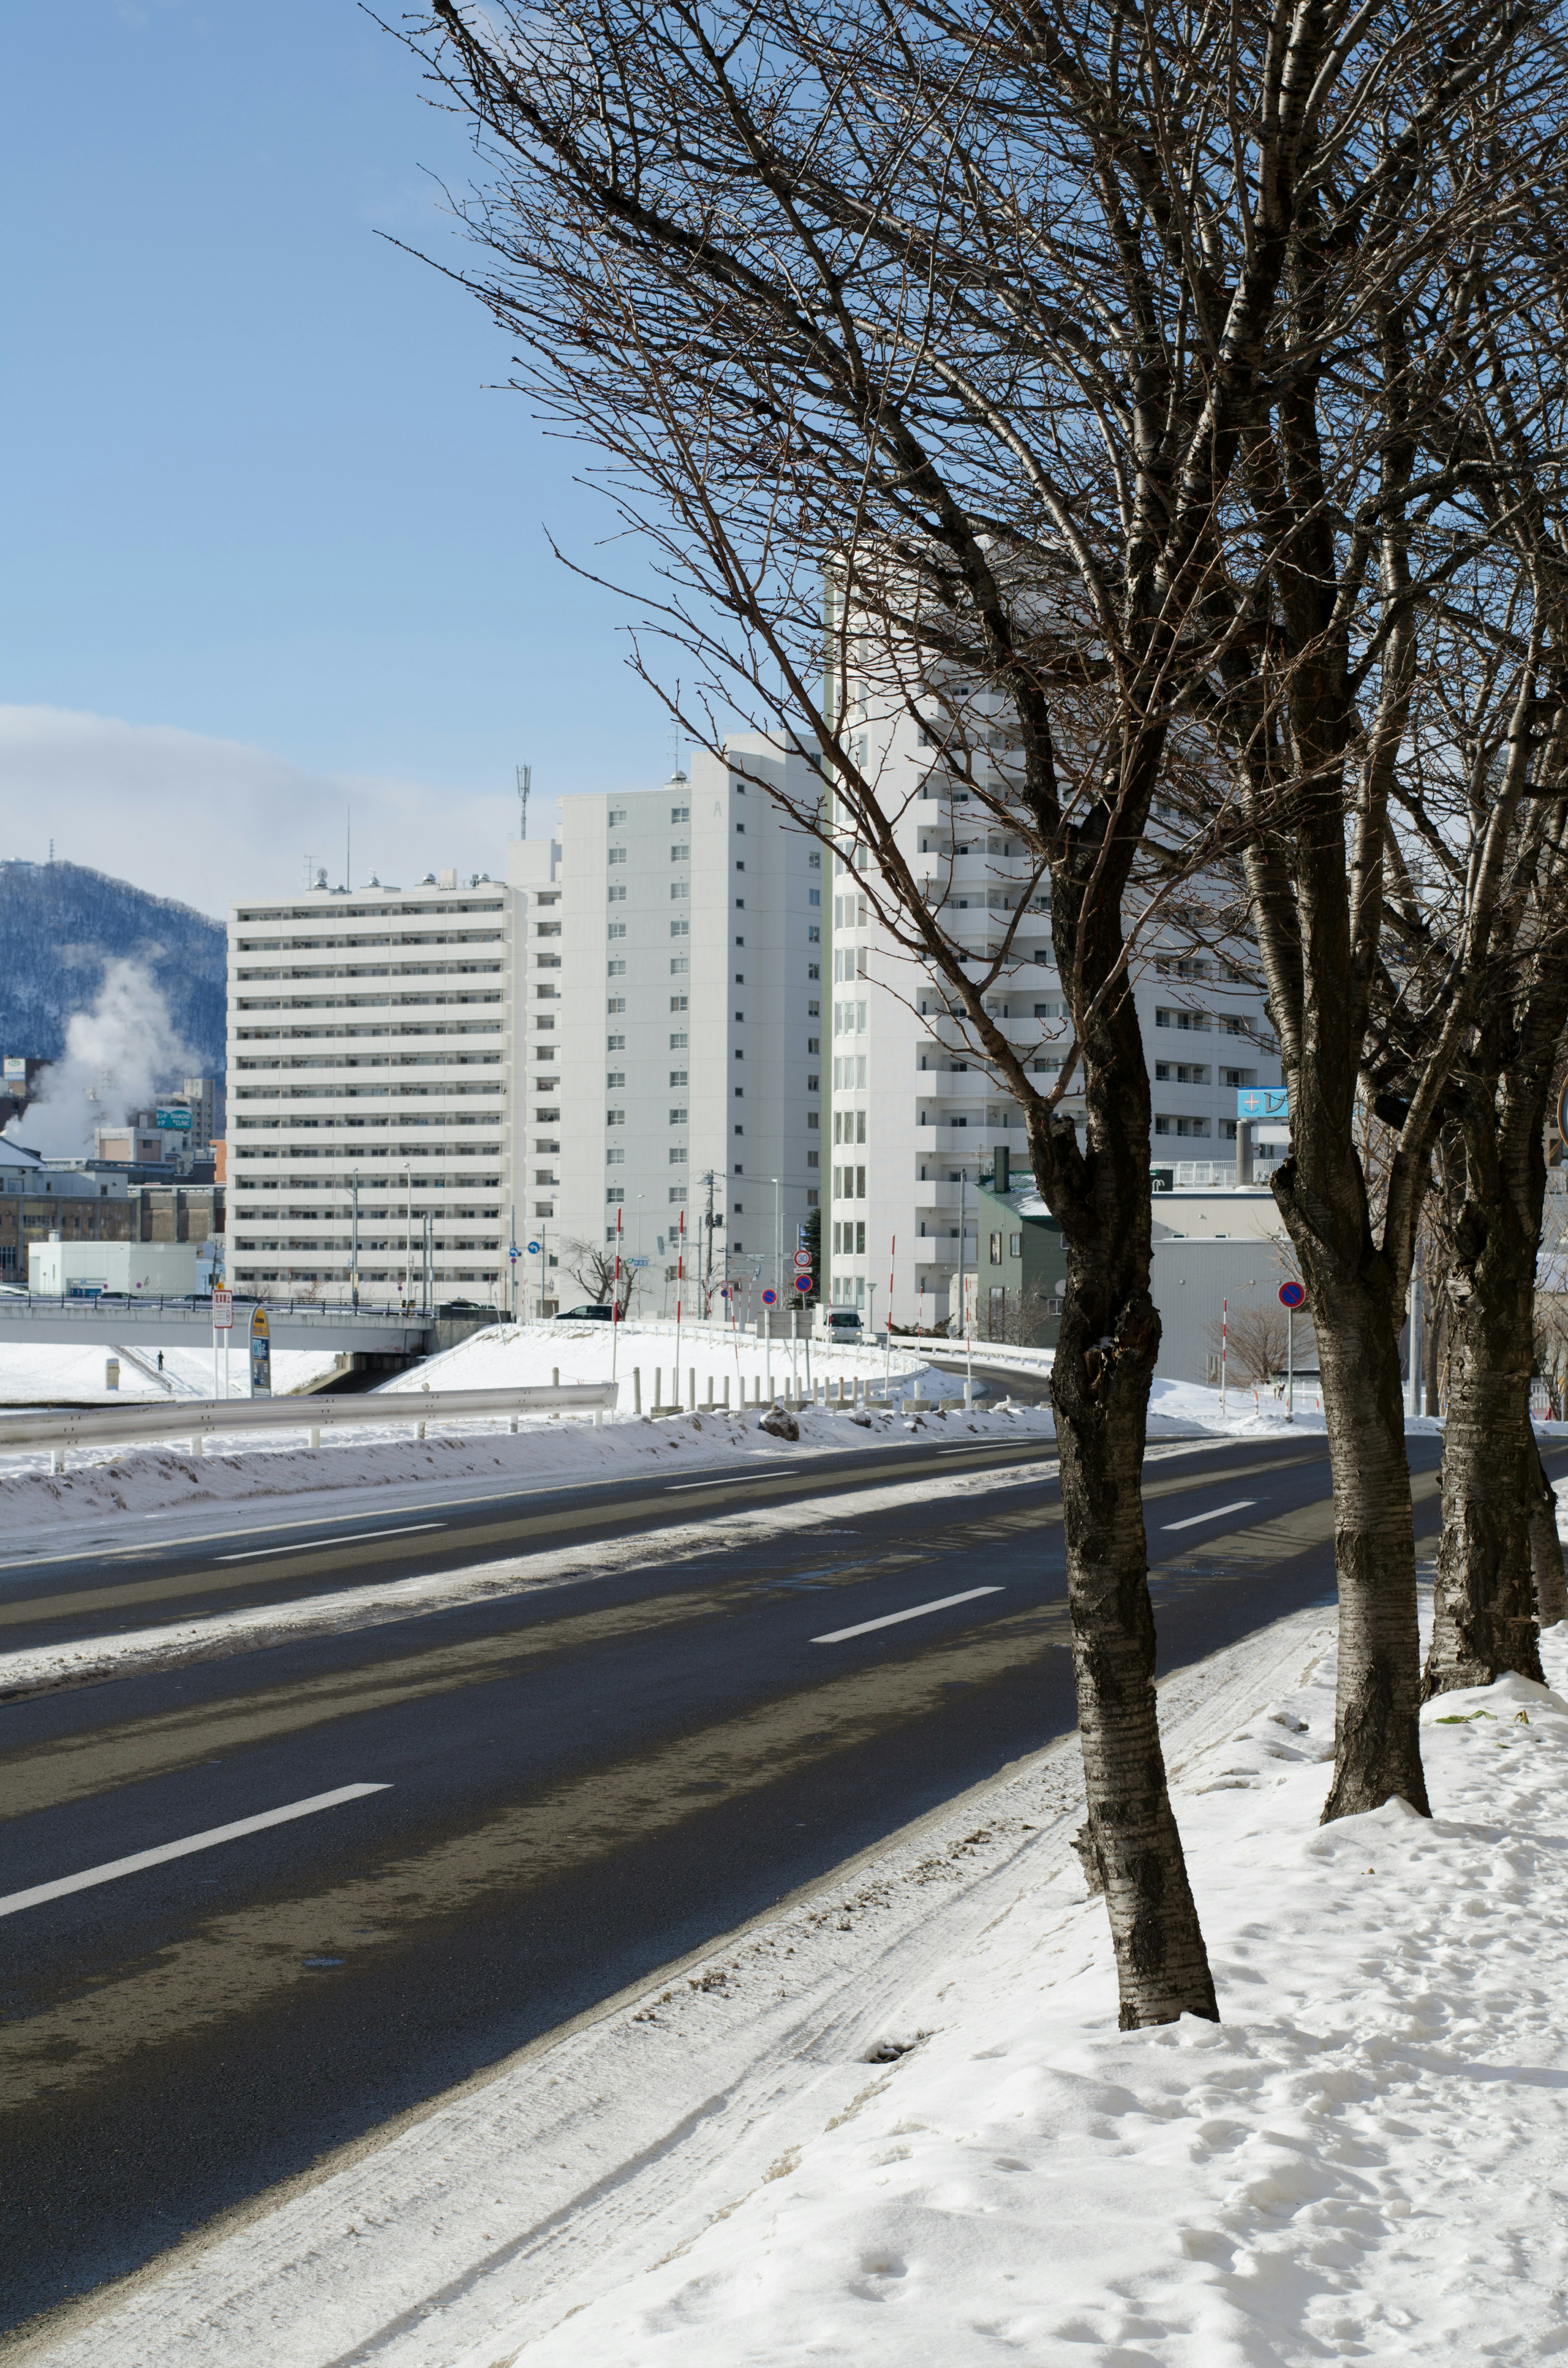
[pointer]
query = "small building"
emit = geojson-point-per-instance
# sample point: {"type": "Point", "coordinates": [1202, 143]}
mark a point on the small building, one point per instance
{"type": "Point", "coordinates": [1225, 1258]}
{"type": "Point", "coordinates": [61, 1269]}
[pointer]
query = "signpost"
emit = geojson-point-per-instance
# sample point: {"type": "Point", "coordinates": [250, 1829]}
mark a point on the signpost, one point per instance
{"type": "Point", "coordinates": [1291, 1297]}
{"type": "Point", "coordinates": [260, 1356]}
{"type": "Point", "coordinates": [223, 1322]}
{"type": "Point", "coordinates": [172, 1121]}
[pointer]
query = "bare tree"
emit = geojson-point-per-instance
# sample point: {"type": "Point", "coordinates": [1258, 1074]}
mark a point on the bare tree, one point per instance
{"type": "Point", "coordinates": [592, 1267]}
{"type": "Point", "coordinates": [1033, 335]}
{"type": "Point", "coordinates": [1256, 1339]}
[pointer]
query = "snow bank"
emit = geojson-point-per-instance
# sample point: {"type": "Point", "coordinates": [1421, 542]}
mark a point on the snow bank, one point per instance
{"type": "Point", "coordinates": [71, 1373]}
{"type": "Point", "coordinates": [371, 1469]}
{"type": "Point", "coordinates": [529, 1353]}
{"type": "Point", "coordinates": [895, 2124]}
{"type": "Point", "coordinates": [1364, 2157]}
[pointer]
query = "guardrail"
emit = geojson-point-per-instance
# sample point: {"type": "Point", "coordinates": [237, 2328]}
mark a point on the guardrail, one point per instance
{"type": "Point", "coordinates": [201, 1419]}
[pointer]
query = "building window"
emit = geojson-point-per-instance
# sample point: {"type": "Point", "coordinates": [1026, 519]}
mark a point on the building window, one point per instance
{"type": "Point", "coordinates": [615, 1158]}
{"type": "Point", "coordinates": [677, 1194]}
{"type": "Point", "coordinates": [813, 935]}
{"type": "Point", "coordinates": [813, 895]}
{"type": "Point", "coordinates": [996, 1249]}
{"type": "Point", "coordinates": [813, 970]}
{"type": "Point", "coordinates": [677, 1003]}
{"type": "Point", "coordinates": [615, 1118]}
{"type": "Point", "coordinates": [677, 1118]}
{"type": "Point", "coordinates": [544, 1208]}
{"type": "Point", "coordinates": [680, 965]}
{"type": "Point", "coordinates": [616, 1003]}
{"type": "Point", "coordinates": [617, 855]}
{"type": "Point", "coordinates": [617, 970]}
{"type": "Point", "coordinates": [814, 1159]}
{"type": "Point", "coordinates": [615, 1081]}
{"type": "Point", "coordinates": [680, 888]}
{"type": "Point", "coordinates": [677, 1156]}
{"type": "Point", "coordinates": [616, 817]}
{"type": "Point", "coordinates": [615, 1044]}
{"type": "Point", "coordinates": [680, 854]}
{"type": "Point", "coordinates": [679, 814]}
{"type": "Point", "coordinates": [678, 1077]}
{"type": "Point", "coordinates": [618, 928]}
{"type": "Point", "coordinates": [617, 896]}
{"type": "Point", "coordinates": [1014, 1245]}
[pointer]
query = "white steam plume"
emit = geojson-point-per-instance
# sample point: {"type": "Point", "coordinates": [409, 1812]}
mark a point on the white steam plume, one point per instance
{"type": "Point", "coordinates": [117, 1056]}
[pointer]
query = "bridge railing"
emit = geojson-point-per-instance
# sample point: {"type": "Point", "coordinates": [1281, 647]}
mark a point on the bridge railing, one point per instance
{"type": "Point", "coordinates": [201, 1419]}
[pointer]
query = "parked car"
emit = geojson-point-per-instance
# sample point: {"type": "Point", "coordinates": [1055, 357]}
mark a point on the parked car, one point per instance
{"type": "Point", "coordinates": [599, 1313]}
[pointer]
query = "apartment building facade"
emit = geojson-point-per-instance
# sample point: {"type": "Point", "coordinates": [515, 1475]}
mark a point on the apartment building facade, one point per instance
{"type": "Point", "coordinates": [670, 1000]}
{"type": "Point", "coordinates": [373, 1066]}
{"type": "Point", "coordinates": [913, 1121]}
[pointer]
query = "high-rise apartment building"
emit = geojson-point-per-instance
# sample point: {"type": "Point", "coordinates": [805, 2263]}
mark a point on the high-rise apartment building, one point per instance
{"type": "Point", "coordinates": [373, 1066]}
{"type": "Point", "coordinates": [913, 1122]}
{"type": "Point", "coordinates": [669, 993]}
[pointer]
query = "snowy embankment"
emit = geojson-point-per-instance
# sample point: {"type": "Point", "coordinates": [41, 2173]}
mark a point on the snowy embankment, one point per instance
{"type": "Point", "coordinates": [371, 1472]}
{"type": "Point", "coordinates": [715, 1353]}
{"type": "Point", "coordinates": [109, 1482]}
{"type": "Point", "coordinates": [71, 1373]}
{"type": "Point", "coordinates": [894, 2122]}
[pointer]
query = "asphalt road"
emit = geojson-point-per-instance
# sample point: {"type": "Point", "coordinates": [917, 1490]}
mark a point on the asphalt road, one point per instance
{"type": "Point", "coordinates": [575, 1786]}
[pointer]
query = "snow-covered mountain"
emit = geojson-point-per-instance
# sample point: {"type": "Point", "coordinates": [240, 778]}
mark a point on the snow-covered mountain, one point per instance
{"type": "Point", "coordinates": [61, 925]}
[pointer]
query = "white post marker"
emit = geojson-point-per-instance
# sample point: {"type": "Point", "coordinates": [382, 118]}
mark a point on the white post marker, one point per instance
{"type": "Point", "coordinates": [222, 1325]}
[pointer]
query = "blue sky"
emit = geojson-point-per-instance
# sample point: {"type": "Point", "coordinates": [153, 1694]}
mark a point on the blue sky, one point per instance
{"type": "Point", "coordinates": [262, 506]}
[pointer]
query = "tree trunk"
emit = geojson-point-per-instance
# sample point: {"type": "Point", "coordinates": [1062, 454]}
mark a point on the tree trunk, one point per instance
{"type": "Point", "coordinates": [1483, 1610]}
{"type": "Point", "coordinates": [1356, 1313]}
{"type": "Point", "coordinates": [1100, 1391]}
{"type": "Point", "coordinates": [1100, 1380]}
{"type": "Point", "coordinates": [1546, 1545]}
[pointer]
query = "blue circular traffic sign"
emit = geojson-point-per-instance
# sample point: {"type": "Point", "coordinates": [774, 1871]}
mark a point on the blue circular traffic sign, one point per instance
{"type": "Point", "coordinates": [770, 1299]}
{"type": "Point", "coordinates": [803, 1283]}
{"type": "Point", "coordinates": [1291, 1295]}
{"type": "Point", "coordinates": [533, 1249]}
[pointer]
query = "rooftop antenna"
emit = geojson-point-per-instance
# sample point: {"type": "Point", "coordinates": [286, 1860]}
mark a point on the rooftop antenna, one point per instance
{"type": "Point", "coordinates": [348, 847]}
{"type": "Point", "coordinates": [676, 773]}
{"type": "Point", "coordinates": [524, 783]}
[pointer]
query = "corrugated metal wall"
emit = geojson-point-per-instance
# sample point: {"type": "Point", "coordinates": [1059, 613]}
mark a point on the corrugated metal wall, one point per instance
{"type": "Point", "coordinates": [1192, 1278]}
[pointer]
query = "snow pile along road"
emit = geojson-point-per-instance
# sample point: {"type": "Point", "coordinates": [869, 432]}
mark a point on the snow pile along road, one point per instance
{"type": "Point", "coordinates": [896, 2124]}
{"type": "Point", "coordinates": [371, 1470]}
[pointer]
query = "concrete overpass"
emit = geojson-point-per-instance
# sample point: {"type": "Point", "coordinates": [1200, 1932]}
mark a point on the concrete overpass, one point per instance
{"type": "Point", "coordinates": [187, 1324]}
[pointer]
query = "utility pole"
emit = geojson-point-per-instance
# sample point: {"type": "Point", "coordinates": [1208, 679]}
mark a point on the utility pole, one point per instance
{"type": "Point", "coordinates": [354, 1245]}
{"type": "Point", "coordinates": [524, 783]}
{"type": "Point", "coordinates": [708, 1272]}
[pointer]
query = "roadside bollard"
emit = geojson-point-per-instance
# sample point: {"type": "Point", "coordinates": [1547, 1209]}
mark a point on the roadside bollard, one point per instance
{"type": "Point", "coordinates": [636, 1388]}
{"type": "Point", "coordinates": [691, 1389]}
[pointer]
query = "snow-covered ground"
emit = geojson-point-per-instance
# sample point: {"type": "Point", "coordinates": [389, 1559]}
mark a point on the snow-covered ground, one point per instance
{"type": "Point", "coordinates": [894, 2123]}
{"type": "Point", "coordinates": [105, 1490]}
{"type": "Point", "coordinates": [71, 1373]}
{"type": "Point", "coordinates": [529, 1353]}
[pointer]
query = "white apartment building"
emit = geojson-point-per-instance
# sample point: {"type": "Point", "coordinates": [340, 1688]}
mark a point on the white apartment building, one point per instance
{"type": "Point", "coordinates": [912, 1123]}
{"type": "Point", "coordinates": [373, 1066]}
{"type": "Point", "coordinates": [670, 995]}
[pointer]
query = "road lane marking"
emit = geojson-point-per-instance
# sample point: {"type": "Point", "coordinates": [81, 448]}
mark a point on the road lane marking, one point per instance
{"type": "Point", "coordinates": [362, 1538]}
{"type": "Point", "coordinates": [1217, 1514]}
{"type": "Point", "coordinates": [915, 1612]}
{"type": "Point", "coordinates": [111, 1870]}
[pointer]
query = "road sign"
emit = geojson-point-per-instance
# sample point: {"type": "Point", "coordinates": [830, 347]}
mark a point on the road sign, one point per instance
{"type": "Point", "coordinates": [223, 1311]}
{"type": "Point", "coordinates": [803, 1257]}
{"type": "Point", "coordinates": [770, 1299]}
{"type": "Point", "coordinates": [172, 1121]}
{"type": "Point", "coordinates": [260, 1356]}
{"type": "Point", "coordinates": [1262, 1102]}
{"type": "Point", "coordinates": [1291, 1295]}
{"type": "Point", "coordinates": [804, 1283]}
{"type": "Point", "coordinates": [638, 1261]}
{"type": "Point", "coordinates": [514, 1253]}
{"type": "Point", "coordinates": [533, 1249]}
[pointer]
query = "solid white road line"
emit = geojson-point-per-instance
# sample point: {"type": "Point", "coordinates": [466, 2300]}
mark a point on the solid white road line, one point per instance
{"type": "Point", "coordinates": [304, 1545]}
{"type": "Point", "coordinates": [915, 1612]}
{"type": "Point", "coordinates": [1219, 1512]}
{"type": "Point", "coordinates": [116, 1867]}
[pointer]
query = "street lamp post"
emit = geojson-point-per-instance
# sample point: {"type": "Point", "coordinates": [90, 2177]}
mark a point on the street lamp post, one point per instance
{"type": "Point", "coordinates": [354, 1245]}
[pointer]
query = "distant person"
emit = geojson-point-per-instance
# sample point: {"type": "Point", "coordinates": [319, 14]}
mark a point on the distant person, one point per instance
{"type": "Point", "coordinates": [160, 1360]}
